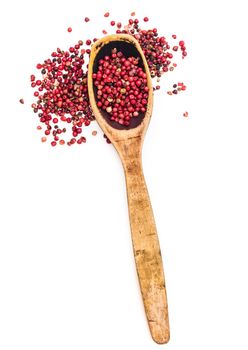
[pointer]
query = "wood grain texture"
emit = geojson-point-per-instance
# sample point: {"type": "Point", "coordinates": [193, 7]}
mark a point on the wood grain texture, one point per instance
{"type": "Point", "coordinates": [128, 144]}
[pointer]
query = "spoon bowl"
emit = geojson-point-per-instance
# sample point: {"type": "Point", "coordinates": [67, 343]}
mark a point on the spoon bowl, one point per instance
{"type": "Point", "coordinates": [128, 142]}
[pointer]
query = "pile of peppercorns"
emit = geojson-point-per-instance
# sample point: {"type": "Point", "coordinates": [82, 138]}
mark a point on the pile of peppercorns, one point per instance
{"type": "Point", "coordinates": [121, 87]}
{"type": "Point", "coordinates": [62, 101]}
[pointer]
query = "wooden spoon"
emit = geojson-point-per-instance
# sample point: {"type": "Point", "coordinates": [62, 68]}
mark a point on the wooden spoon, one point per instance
{"type": "Point", "coordinates": [128, 143]}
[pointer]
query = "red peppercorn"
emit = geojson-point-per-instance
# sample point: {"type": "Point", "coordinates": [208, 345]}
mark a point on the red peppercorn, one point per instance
{"type": "Point", "coordinates": [86, 19]}
{"type": "Point", "coordinates": [124, 93]}
{"type": "Point", "coordinates": [181, 43]}
{"type": "Point", "coordinates": [69, 29]}
{"type": "Point", "coordinates": [106, 14]}
{"type": "Point", "coordinates": [88, 42]}
{"type": "Point", "coordinates": [146, 19]}
{"type": "Point", "coordinates": [112, 23]}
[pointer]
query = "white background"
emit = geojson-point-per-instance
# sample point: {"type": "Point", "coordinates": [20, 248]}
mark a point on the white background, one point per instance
{"type": "Point", "coordinates": [67, 276]}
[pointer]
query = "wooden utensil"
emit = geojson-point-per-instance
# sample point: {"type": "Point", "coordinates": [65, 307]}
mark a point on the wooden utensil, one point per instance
{"type": "Point", "coordinates": [128, 143]}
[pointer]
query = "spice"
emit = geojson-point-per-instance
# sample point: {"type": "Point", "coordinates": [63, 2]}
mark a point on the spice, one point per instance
{"type": "Point", "coordinates": [121, 87]}
{"type": "Point", "coordinates": [94, 133]}
{"type": "Point", "coordinates": [183, 48]}
{"type": "Point", "coordinates": [177, 88]}
{"type": "Point", "coordinates": [61, 94]}
{"type": "Point", "coordinates": [185, 114]}
{"type": "Point", "coordinates": [64, 99]}
{"type": "Point", "coordinates": [21, 101]}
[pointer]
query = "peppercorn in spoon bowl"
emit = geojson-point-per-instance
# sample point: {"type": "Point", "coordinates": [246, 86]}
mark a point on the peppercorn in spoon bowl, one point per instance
{"type": "Point", "coordinates": [121, 97]}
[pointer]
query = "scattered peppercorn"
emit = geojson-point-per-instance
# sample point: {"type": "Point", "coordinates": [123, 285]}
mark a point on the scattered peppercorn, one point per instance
{"type": "Point", "coordinates": [87, 19]}
{"type": "Point", "coordinates": [69, 29]}
{"type": "Point", "coordinates": [21, 101]}
{"type": "Point", "coordinates": [177, 88]}
{"type": "Point", "coordinates": [64, 98]}
{"type": "Point", "coordinates": [106, 14]}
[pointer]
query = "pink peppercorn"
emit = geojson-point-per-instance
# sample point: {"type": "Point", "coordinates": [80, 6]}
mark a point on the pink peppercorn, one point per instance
{"type": "Point", "coordinates": [127, 95]}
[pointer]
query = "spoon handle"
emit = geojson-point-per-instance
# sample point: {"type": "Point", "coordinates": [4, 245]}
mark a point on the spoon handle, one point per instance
{"type": "Point", "coordinates": [147, 251]}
